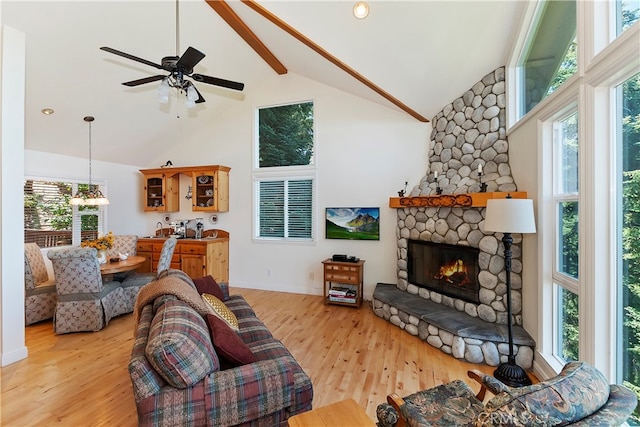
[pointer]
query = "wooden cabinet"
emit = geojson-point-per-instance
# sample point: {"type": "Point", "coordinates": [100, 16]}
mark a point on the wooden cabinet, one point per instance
{"type": "Point", "coordinates": [193, 259]}
{"type": "Point", "coordinates": [145, 249]}
{"type": "Point", "coordinates": [209, 188]}
{"type": "Point", "coordinates": [196, 257]}
{"type": "Point", "coordinates": [160, 193]}
{"type": "Point", "coordinates": [343, 282]}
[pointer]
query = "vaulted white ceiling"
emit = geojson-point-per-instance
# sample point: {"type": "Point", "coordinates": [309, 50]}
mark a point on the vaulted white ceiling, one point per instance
{"type": "Point", "coordinates": [423, 53]}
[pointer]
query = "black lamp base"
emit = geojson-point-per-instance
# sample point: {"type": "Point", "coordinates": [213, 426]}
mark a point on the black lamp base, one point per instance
{"type": "Point", "coordinates": [512, 375]}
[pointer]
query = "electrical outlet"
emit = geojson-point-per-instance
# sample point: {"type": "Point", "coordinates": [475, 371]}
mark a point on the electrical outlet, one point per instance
{"type": "Point", "coordinates": [311, 275]}
{"type": "Point", "coordinates": [268, 272]}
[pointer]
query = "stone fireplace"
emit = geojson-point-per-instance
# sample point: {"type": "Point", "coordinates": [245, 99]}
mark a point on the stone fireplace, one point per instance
{"type": "Point", "coordinates": [470, 325]}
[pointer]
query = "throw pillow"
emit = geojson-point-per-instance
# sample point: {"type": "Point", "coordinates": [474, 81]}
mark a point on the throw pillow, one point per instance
{"type": "Point", "coordinates": [179, 346]}
{"type": "Point", "coordinates": [222, 311]}
{"type": "Point", "coordinates": [208, 285]}
{"type": "Point", "coordinates": [228, 345]}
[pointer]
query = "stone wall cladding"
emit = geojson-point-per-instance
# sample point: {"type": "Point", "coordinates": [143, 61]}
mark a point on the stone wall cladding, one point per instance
{"type": "Point", "coordinates": [470, 131]}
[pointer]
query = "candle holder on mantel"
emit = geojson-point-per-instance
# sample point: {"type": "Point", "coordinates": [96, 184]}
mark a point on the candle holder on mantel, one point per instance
{"type": "Point", "coordinates": [402, 192]}
{"type": "Point", "coordinates": [435, 178]}
{"type": "Point", "coordinates": [483, 186]}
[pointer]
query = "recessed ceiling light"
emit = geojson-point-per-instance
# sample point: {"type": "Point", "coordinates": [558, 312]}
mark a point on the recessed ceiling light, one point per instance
{"type": "Point", "coordinates": [361, 10]}
{"type": "Point", "coordinates": [47, 111]}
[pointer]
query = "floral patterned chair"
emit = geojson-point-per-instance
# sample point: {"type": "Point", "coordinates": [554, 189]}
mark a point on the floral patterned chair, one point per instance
{"type": "Point", "coordinates": [123, 244]}
{"type": "Point", "coordinates": [85, 302]}
{"type": "Point", "coordinates": [580, 395]}
{"type": "Point", "coordinates": [133, 282]}
{"type": "Point", "coordinates": [40, 290]}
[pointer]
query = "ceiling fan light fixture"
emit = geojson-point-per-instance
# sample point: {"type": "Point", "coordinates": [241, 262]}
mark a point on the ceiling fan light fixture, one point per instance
{"type": "Point", "coordinates": [192, 94]}
{"type": "Point", "coordinates": [163, 91]}
{"type": "Point", "coordinates": [361, 10]}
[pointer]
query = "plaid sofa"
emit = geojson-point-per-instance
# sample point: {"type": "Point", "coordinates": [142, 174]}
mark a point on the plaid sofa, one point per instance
{"type": "Point", "coordinates": [198, 393]}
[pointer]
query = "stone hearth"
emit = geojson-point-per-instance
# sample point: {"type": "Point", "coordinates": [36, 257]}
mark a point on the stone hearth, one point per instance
{"type": "Point", "coordinates": [453, 332]}
{"type": "Point", "coordinates": [468, 132]}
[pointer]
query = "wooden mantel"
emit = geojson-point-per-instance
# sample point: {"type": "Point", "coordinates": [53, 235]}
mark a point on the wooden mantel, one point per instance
{"type": "Point", "coordinates": [470, 200]}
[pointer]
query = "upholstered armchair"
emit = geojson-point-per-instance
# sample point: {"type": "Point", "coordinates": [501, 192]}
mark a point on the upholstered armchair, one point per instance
{"type": "Point", "coordinates": [123, 244]}
{"type": "Point", "coordinates": [85, 302]}
{"type": "Point", "coordinates": [580, 395]}
{"type": "Point", "coordinates": [133, 282]}
{"type": "Point", "coordinates": [40, 290]}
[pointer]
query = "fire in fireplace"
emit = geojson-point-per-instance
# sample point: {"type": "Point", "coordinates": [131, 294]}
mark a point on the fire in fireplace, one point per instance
{"type": "Point", "coordinates": [448, 269]}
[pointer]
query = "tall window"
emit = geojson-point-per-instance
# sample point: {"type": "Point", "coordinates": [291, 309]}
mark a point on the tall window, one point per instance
{"type": "Point", "coordinates": [589, 238]}
{"type": "Point", "coordinates": [565, 271]}
{"type": "Point", "coordinates": [49, 219]}
{"type": "Point", "coordinates": [629, 234]}
{"type": "Point", "coordinates": [284, 177]}
{"type": "Point", "coordinates": [628, 12]}
{"type": "Point", "coordinates": [550, 56]}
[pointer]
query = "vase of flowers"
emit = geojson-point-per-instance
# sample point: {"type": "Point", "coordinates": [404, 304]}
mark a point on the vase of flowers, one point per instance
{"type": "Point", "coordinates": [102, 243]}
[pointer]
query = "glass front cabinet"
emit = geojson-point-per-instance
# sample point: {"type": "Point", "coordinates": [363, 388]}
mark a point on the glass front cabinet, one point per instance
{"type": "Point", "coordinates": [160, 193]}
{"type": "Point", "coordinates": [209, 188]}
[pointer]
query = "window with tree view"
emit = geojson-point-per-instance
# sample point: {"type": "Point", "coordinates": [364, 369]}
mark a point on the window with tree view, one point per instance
{"type": "Point", "coordinates": [49, 219]}
{"type": "Point", "coordinates": [284, 177]}
{"type": "Point", "coordinates": [550, 58]}
{"type": "Point", "coordinates": [629, 235]}
{"type": "Point", "coordinates": [565, 272]}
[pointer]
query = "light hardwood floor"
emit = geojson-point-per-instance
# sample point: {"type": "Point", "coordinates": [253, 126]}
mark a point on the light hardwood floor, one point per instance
{"type": "Point", "coordinates": [81, 379]}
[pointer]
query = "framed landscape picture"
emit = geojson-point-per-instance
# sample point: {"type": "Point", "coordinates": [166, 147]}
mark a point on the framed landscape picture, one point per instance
{"type": "Point", "coordinates": [352, 223]}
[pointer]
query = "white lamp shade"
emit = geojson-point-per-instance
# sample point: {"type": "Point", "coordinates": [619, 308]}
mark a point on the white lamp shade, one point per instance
{"type": "Point", "coordinates": [510, 216]}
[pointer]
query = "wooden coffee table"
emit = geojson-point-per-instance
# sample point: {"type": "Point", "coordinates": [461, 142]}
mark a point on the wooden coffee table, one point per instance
{"type": "Point", "coordinates": [343, 413]}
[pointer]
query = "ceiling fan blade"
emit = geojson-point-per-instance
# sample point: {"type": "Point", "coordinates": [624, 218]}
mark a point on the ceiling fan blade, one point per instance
{"type": "Point", "coordinates": [200, 98]}
{"type": "Point", "coordinates": [218, 82]}
{"type": "Point", "coordinates": [133, 58]}
{"type": "Point", "coordinates": [189, 59]}
{"type": "Point", "coordinates": [143, 81]}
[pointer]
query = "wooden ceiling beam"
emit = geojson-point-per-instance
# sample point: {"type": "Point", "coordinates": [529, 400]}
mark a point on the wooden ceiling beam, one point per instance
{"type": "Point", "coordinates": [234, 21]}
{"type": "Point", "coordinates": [328, 56]}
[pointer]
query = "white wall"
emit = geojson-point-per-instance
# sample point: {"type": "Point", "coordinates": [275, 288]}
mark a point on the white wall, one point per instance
{"type": "Point", "coordinates": [523, 159]}
{"type": "Point", "coordinates": [12, 346]}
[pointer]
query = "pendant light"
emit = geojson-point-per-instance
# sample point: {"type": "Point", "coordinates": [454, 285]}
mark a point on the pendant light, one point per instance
{"type": "Point", "coordinates": [93, 197]}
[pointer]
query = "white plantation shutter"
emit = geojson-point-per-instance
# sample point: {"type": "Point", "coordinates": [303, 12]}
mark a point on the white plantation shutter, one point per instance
{"type": "Point", "coordinates": [300, 209]}
{"type": "Point", "coordinates": [270, 209]}
{"type": "Point", "coordinates": [284, 209]}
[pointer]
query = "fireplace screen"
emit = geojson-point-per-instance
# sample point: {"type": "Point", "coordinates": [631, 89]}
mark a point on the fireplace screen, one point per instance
{"type": "Point", "coordinates": [448, 269]}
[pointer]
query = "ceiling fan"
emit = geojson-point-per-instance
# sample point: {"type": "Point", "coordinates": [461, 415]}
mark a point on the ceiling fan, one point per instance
{"type": "Point", "coordinates": [179, 68]}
